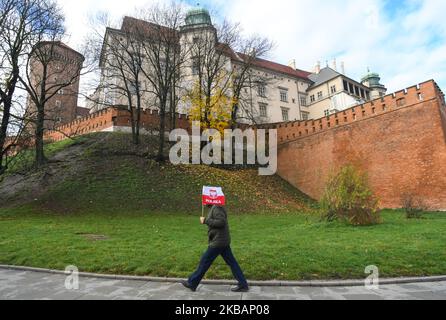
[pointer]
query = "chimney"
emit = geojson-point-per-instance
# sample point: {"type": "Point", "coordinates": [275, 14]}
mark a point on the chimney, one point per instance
{"type": "Point", "coordinates": [292, 64]}
{"type": "Point", "coordinates": [343, 67]}
{"type": "Point", "coordinates": [335, 66]}
{"type": "Point", "coordinates": [317, 68]}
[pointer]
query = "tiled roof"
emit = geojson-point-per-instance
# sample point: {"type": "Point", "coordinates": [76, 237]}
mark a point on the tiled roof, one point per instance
{"type": "Point", "coordinates": [326, 74]}
{"type": "Point", "coordinates": [130, 23]}
{"type": "Point", "coordinates": [61, 45]}
{"type": "Point", "coordinates": [280, 68]}
{"type": "Point", "coordinates": [149, 29]}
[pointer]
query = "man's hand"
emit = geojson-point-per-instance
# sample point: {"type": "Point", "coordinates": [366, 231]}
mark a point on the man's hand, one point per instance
{"type": "Point", "coordinates": [202, 219]}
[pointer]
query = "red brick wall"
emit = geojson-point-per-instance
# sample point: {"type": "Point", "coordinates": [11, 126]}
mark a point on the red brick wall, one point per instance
{"type": "Point", "coordinates": [400, 143]}
{"type": "Point", "coordinates": [108, 119]}
{"type": "Point", "coordinates": [402, 147]}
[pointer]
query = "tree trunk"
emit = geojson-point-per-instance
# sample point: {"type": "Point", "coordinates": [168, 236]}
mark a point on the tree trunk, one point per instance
{"type": "Point", "coordinates": [160, 156]}
{"type": "Point", "coordinates": [138, 119]}
{"type": "Point", "coordinates": [40, 155]}
{"type": "Point", "coordinates": [6, 114]}
{"type": "Point", "coordinates": [132, 121]}
{"type": "Point", "coordinates": [3, 132]}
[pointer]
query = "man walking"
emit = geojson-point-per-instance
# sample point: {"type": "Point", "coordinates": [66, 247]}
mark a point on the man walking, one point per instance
{"type": "Point", "coordinates": [219, 244]}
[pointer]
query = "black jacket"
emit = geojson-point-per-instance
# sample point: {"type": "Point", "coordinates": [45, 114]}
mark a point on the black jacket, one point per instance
{"type": "Point", "coordinates": [217, 221]}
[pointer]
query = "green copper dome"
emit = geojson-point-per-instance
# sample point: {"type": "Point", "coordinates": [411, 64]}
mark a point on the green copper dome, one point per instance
{"type": "Point", "coordinates": [372, 78]}
{"type": "Point", "coordinates": [198, 17]}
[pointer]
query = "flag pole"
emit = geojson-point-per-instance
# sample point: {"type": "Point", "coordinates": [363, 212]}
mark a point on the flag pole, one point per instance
{"type": "Point", "coordinates": [202, 210]}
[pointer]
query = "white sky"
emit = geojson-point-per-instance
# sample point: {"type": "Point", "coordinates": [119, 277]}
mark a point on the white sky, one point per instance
{"type": "Point", "coordinates": [403, 40]}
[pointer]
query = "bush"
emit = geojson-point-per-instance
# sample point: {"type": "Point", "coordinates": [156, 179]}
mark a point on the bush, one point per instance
{"type": "Point", "coordinates": [413, 206]}
{"type": "Point", "coordinates": [348, 198]}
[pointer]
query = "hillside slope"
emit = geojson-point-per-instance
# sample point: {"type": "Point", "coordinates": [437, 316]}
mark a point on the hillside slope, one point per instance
{"type": "Point", "coordinates": [105, 173]}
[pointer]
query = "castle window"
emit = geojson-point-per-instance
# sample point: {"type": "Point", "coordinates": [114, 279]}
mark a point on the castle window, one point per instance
{"type": "Point", "coordinates": [195, 66]}
{"type": "Point", "coordinates": [285, 114]}
{"type": "Point", "coordinates": [333, 89]}
{"type": "Point", "coordinates": [345, 85]}
{"type": "Point", "coordinates": [305, 115]}
{"type": "Point", "coordinates": [312, 99]}
{"type": "Point", "coordinates": [420, 97]}
{"type": "Point", "coordinates": [327, 113]}
{"type": "Point", "coordinates": [351, 88]}
{"type": "Point", "coordinates": [263, 110]}
{"type": "Point", "coordinates": [261, 90]}
{"type": "Point", "coordinates": [303, 101]}
{"type": "Point", "coordinates": [319, 95]}
{"type": "Point", "coordinates": [357, 91]}
{"type": "Point", "coordinates": [362, 93]}
{"type": "Point", "coordinates": [283, 95]}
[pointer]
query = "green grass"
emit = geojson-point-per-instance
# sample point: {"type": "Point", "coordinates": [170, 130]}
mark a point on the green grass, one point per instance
{"type": "Point", "coordinates": [102, 185]}
{"type": "Point", "coordinates": [106, 171]}
{"type": "Point", "coordinates": [286, 246]}
{"type": "Point", "coordinates": [24, 160]}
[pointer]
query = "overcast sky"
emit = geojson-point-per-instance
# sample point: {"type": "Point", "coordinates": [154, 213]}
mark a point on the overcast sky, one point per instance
{"type": "Point", "coordinates": [403, 40]}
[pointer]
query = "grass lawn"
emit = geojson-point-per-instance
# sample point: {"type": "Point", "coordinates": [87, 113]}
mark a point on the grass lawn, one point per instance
{"type": "Point", "coordinates": [286, 246]}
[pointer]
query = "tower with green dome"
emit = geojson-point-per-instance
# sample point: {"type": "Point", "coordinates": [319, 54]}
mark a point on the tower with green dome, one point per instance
{"type": "Point", "coordinates": [372, 80]}
{"type": "Point", "coordinates": [197, 18]}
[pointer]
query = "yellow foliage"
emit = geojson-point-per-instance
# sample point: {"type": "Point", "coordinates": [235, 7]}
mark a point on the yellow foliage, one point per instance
{"type": "Point", "coordinates": [212, 112]}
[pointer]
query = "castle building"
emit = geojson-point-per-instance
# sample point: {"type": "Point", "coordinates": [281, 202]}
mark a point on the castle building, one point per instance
{"type": "Point", "coordinates": [332, 91]}
{"type": "Point", "coordinates": [372, 80]}
{"type": "Point", "coordinates": [287, 94]}
{"type": "Point", "coordinates": [62, 66]}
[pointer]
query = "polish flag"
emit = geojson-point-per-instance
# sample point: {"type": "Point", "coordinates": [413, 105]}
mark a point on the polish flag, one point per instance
{"type": "Point", "coordinates": [213, 196]}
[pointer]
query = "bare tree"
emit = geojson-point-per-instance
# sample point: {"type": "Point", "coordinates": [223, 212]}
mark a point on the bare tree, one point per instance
{"type": "Point", "coordinates": [211, 56]}
{"type": "Point", "coordinates": [19, 138]}
{"type": "Point", "coordinates": [164, 58]}
{"type": "Point", "coordinates": [22, 23]}
{"type": "Point", "coordinates": [13, 34]}
{"type": "Point", "coordinates": [245, 76]}
{"type": "Point", "coordinates": [121, 60]}
{"type": "Point", "coordinates": [48, 69]}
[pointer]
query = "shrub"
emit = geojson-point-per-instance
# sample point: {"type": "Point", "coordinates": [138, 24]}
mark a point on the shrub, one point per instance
{"type": "Point", "coordinates": [348, 198]}
{"type": "Point", "coordinates": [413, 206]}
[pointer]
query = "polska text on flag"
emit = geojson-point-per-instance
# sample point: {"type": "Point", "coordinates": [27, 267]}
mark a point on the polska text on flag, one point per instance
{"type": "Point", "coordinates": [213, 196]}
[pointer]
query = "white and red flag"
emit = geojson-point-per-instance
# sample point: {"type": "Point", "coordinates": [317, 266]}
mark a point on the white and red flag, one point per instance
{"type": "Point", "coordinates": [213, 196]}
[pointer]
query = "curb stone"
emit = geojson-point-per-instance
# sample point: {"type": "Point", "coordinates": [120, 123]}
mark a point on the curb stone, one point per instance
{"type": "Point", "coordinates": [274, 283]}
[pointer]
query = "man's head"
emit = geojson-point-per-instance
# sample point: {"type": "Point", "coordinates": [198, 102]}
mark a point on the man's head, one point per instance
{"type": "Point", "coordinates": [209, 206]}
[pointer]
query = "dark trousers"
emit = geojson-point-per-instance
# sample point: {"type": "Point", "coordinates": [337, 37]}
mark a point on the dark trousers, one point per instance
{"type": "Point", "coordinates": [209, 257]}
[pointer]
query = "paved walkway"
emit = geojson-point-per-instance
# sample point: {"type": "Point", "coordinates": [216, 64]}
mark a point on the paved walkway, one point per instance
{"type": "Point", "coordinates": [29, 285]}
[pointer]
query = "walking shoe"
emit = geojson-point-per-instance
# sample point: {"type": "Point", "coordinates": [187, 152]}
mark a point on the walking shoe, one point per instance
{"type": "Point", "coordinates": [240, 289]}
{"type": "Point", "coordinates": [187, 285]}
